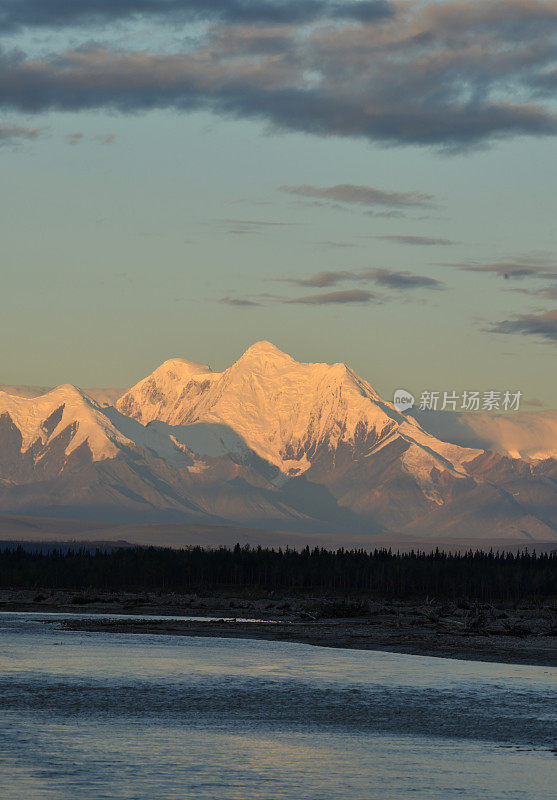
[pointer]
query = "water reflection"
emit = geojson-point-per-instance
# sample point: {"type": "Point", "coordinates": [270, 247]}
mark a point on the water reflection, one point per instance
{"type": "Point", "coordinates": [94, 715]}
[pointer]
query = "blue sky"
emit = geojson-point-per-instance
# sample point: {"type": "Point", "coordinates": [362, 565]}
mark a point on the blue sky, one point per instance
{"type": "Point", "coordinates": [139, 224]}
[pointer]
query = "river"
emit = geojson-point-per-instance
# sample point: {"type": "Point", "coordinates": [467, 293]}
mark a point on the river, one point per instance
{"type": "Point", "coordinates": [158, 717]}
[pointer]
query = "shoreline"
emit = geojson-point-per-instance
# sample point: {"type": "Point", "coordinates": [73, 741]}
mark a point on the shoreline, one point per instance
{"type": "Point", "coordinates": [509, 633]}
{"type": "Point", "coordinates": [344, 634]}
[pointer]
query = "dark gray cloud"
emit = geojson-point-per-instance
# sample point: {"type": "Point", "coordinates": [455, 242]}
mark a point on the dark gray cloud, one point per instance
{"type": "Point", "coordinates": [451, 75]}
{"type": "Point", "coordinates": [425, 241]}
{"type": "Point", "coordinates": [335, 298]}
{"type": "Point", "coordinates": [360, 195]}
{"type": "Point", "coordinates": [17, 14]}
{"type": "Point", "coordinates": [14, 134]}
{"type": "Point", "coordinates": [543, 325]}
{"type": "Point", "coordinates": [381, 277]}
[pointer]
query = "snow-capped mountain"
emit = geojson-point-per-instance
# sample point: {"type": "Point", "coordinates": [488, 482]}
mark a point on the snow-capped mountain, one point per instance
{"type": "Point", "coordinates": [268, 442]}
{"type": "Point", "coordinates": [41, 420]}
{"type": "Point", "coordinates": [285, 411]}
{"type": "Point", "coordinates": [105, 397]}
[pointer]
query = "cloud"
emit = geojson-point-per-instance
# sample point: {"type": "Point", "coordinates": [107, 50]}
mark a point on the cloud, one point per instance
{"type": "Point", "coordinates": [392, 214]}
{"type": "Point", "coordinates": [549, 292]}
{"type": "Point", "coordinates": [74, 138]}
{"type": "Point", "coordinates": [382, 277]}
{"type": "Point", "coordinates": [399, 281]}
{"type": "Point", "coordinates": [450, 75]}
{"type": "Point", "coordinates": [322, 279]}
{"type": "Point", "coordinates": [240, 302]}
{"type": "Point", "coordinates": [242, 227]}
{"type": "Point", "coordinates": [257, 223]}
{"type": "Point", "coordinates": [78, 137]}
{"type": "Point", "coordinates": [360, 195]}
{"type": "Point", "coordinates": [14, 134]}
{"type": "Point", "coordinates": [534, 402]}
{"type": "Point", "coordinates": [17, 14]}
{"type": "Point", "coordinates": [106, 138]}
{"type": "Point", "coordinates": [418, 240]}
{"type": "Point", "coordinates": [403, 280]}
{"type": "Point", "coordinates": [335, 298]}
{"type": "Point", "coordinates": [517, 268]}
{"type": "Point", "coordinates": [337, 245]}
{"type": "Point", "coordinates": [542, 325]}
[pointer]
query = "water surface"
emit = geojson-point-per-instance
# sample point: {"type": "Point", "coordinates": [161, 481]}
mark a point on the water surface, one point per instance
{"type": "Point", "coordinates": [154, 717]}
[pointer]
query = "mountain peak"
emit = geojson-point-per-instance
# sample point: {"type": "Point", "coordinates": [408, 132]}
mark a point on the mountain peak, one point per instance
{"type": "Point", "coordinates": [264, 351]}
{"type": "Point", "coordinates": [66, 392]}
{"type": "Point", "coordinates": [181, 367]}
{"type": "Point", "coordinates": [42, 419]}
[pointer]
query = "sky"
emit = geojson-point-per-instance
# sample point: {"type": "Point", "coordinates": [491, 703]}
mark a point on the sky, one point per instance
{"type": "Point", "coordinates": [367, 182]}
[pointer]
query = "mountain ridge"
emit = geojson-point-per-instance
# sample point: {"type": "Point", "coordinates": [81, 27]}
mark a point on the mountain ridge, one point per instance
{"type": "Point", "coordinates": [286, 407]}
{"type": "Point", "coordinates": [268, 442]}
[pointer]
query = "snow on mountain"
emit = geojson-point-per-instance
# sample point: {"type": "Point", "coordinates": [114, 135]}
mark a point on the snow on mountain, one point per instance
{"type": "Point", "coordinates": [21, 390]}
{"type": "Point", "coordinates": [105, 397]}
{"type": "Point", "coordinates": [268, 442]}
{"type": "Point", "coordinates": [161, 394]}
{"type": "Point", "coordinates": [285, 411]}
{"type": "Point", "coordinates": [40, 420]}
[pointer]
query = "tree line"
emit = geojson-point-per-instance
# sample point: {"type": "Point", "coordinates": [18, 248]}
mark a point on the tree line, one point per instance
{"type": "Point", "coordinates": [383, 573]}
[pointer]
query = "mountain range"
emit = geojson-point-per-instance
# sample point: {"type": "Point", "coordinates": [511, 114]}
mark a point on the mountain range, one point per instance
{"type": "Point", "coordinates": [272, 444]}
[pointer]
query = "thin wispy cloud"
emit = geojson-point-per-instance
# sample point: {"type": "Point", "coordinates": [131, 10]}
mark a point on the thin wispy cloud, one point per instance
{"type": "Point", "coordinates": [392, 214]}
{"type": "Point", "coordinates": [335, 298]}
{"type": "Point", "coordinates": [242, 227]}
{"type": "Point", "coordinates": [239, 302]}
{"type": "Point", "coordinates": [321, 279]}
{"type": "Point", "coordinates": [16, 134]}
{"type": "Point", "coordinates": [424, 241]}
{"type": "Point", "coordinates": [78, 137]}
{"type": "Point", "coordinates": [338, 245]}
{"type": "Point", "coordinates": [549, 292]}
{"type": "Point", "coordinates": [403, 280]}
{"type": "Point", "coordinates": [257, 223]}
{"type": "Point", "coordinates": [449, 75]}
{"type": "Point", "coordinates": [105, 138]}
{"type": "Point", "coordinates": [74, 138]}
{"type": "Point", "coordinates": [543, 325]}
{"type": "Point", "coordinates": [360, 195]}
{"type": "Point", "coordinates": [391, 279]}
{"type": "Point", "coordinates": [533, 267]}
